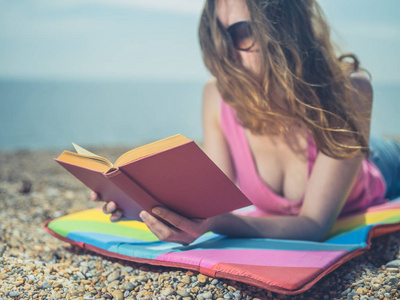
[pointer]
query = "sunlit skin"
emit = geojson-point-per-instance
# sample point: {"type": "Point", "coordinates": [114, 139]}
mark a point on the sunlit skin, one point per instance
{"type": "Point", "coordinates": [282, 169]}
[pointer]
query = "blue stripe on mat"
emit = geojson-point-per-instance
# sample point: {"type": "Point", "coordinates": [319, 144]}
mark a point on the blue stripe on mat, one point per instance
{"type": "Point", "coordinates": [351, 237]}
{"type": "Point", "coordinates": [127, 246]}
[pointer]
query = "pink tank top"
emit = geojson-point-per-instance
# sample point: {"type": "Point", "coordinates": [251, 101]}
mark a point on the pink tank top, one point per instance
{"type": "Point", "coordinates": [369, 187]}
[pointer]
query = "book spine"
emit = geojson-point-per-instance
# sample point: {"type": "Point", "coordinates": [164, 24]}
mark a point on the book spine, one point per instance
{"type": "Point", "coordinates": [132, 190]}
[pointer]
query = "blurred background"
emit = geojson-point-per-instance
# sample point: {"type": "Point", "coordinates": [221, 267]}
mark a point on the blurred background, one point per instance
{"type": "Point", "coordinates": [127, 72]}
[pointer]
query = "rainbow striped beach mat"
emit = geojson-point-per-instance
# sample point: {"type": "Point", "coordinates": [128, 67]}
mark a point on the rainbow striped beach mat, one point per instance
{"type": "Point", "coordinates": [282, 266]}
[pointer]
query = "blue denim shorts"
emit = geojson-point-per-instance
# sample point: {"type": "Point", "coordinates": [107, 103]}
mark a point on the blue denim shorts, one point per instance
{"type": "Point", "coordinates": [385, 154]}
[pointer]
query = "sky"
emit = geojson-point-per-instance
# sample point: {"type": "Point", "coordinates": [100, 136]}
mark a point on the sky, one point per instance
{"type": "Point", "coordinates": [157, 39]}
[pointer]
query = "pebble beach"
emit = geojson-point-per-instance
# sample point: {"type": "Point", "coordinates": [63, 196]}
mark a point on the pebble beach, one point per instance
{"type": "Point", "coordinates": [35, 265]}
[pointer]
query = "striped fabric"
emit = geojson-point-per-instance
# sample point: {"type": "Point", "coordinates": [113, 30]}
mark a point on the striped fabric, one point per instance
{"type": "Point", "coordinates": [283, 266]}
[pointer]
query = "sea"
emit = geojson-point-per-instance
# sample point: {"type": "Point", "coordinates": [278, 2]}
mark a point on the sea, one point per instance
{"type": "Point", "coordinates": [49, 115]}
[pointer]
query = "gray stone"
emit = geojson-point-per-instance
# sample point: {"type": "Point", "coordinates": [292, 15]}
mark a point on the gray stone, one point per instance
{"type": "Point", "coordinates": [113, 276]}
{"type": "Point", "coordinates": [31, 277]}
{"type": "Point", "coordinates": [14, 294]}
{"type": "Point", "coordinates": [128, 269]}
{"type": "Point", "coordinates": [207, 295]}
{"type": "Point", "coordinates": [392, 270]}
{"type": "Point", "coordinates": [220, 286]}
{"type": "Point", "coordinates": [142, 278]}
{"type": "Point", "coordinates": [351, 295]}
{"type": "Point", "coordinates": [129, 286]}
{"type": "Point", "coordinates": [168, 291]}
{"type": "Point", "coordinates": [375, 286]}
{"type": "Point", "coordinates": [237, 294]}
{"type": "Point", "coordinates": [393, 280]}
{"type": "Point", "coordinates": [182, 292]}
{"type": "Point", "coordinates": [393, 263]}
{"type": "Point", "coordinates": [345, 292]}
{"type": "Point", "coordinates": [228, 295]}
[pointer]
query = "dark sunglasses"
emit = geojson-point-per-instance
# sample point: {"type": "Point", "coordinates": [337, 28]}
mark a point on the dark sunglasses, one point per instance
{"type": "Point", "coordinates": [241, 35]}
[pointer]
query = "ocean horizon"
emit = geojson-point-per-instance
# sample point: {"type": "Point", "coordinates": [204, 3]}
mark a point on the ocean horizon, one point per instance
{"type": "Point", "coordinates": [46, 115]}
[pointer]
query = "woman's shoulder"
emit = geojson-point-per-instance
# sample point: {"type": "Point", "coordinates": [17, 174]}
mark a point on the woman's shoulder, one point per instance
{"type": "Point", "coordinates": [361, 82]}
{"type": "Point", "coordinates": [211, 98]}
{"type": "Point", "coordinates": [363, 95]}
{"type": "Point", "coordinates": [210, 90]}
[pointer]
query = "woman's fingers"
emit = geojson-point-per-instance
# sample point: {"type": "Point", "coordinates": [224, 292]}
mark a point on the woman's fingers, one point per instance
{"type": "Point", "coordinates": [109, 207]}
{"type": "Point", "coordinates": [116, 215]}
{"type": "Point", "coordinates": [161, 230]}
{"type": "Point", "coordinates": [174, 219]}
{"type": "Point", "coordinates": [156, 226]}
{"type": "Point", "coordinates": [94, 196]}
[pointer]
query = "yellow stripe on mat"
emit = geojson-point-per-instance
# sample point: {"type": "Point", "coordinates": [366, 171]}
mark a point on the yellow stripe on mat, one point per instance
{"type": "Point", "coordinates": [364, 219]}
{"type": "Point", "coordinates": [98, 216]}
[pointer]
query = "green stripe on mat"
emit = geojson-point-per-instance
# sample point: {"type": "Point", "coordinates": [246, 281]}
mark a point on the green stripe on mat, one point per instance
{"type": "Point", "coordinates": [64, 227]}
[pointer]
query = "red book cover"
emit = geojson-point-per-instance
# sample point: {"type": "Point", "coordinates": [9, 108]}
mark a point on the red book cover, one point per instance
{"type": "Point", "coordinates": [182, 178]}
{"type": "Point", "coordinates": [186, 181]}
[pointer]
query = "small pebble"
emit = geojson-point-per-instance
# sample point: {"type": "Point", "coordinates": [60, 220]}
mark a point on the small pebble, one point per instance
{"type": "Point", "coordinates": [168, 291]}
{"type": "Point", "coordinates": [346, 291]}
{"type": "Point", "coordinates": [202, 278]}
{"type": "Point", "coordinates": [182, 292]}
{"type": "Point", "coordinates": [14, 294]}
{"type": "Point", "coordinates": [118, 295]}
{"type": "Point", "coordinates": [129, 286]}
{"type": "Point", "coordinates": [31, 277]}
{"type": "Point", "coordinates": [113, 276]}
{"type": "Point", "coordinates": [228, 295]}
{"type": "Point", "coordinates": [393, 264]}
{"type": "Point", "coordinates": [186, 279]}
{"type": "Point", "coordinates": [394, 280]}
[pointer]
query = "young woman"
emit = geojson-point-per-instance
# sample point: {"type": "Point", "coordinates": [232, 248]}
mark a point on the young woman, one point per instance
{"type": "Point", "coordinates": [287, 120]}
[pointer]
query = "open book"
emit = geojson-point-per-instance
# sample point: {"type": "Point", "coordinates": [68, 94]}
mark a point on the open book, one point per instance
{"type": "Point", "coordinates": [173, 172]}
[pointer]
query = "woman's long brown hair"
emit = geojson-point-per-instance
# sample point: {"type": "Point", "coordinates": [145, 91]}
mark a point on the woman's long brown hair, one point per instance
{"type": "Point", "coordinates": [298, 58]}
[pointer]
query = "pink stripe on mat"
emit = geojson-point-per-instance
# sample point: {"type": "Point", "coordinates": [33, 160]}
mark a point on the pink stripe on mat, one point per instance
{"type": "Point", "coordinates": [273, 258]}
{"type": "Point", "coordinates": [391, 205]}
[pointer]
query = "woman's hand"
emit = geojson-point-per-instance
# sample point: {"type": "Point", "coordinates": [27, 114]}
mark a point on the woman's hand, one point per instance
{"type": "Point", "coordinates": [109, 208]}
{"type": "Point", "coordinates": [183, 230]}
